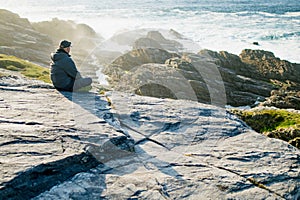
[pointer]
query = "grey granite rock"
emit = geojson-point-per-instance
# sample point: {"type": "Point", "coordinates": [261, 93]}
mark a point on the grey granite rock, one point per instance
{"type": "Point", "coordinates": [242, 80]}
{"type": "Point", "coordinates": [19, 38]}
{"type": "Point", "coordinates": [52, 147]}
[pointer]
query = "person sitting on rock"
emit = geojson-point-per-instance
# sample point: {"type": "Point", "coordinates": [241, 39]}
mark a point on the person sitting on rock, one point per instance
{"type": "Point", "coordinates": [64, 74]}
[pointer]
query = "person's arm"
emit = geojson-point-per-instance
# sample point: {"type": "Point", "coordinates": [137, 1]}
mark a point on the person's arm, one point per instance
{"type": "Point", "coordinates": [70, 69]}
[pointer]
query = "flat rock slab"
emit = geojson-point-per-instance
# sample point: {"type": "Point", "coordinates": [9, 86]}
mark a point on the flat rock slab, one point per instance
{"type": "Point", "coordinates": [121, 146]}
{"type": "Point", "coordinates": [41, 142]}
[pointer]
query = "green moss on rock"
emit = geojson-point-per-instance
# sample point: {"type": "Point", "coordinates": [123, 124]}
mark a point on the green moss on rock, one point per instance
{"type": "Point", "coordinates": [26, 68]}
{"type": "Point", "coordinates": [275, 123]}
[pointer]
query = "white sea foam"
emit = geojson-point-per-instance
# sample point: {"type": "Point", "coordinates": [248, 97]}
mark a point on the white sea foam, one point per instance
{"type": "Point", "coordinates": [293, 14]}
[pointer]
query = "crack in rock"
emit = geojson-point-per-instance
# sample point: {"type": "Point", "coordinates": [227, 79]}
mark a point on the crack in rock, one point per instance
{"type": "Point", "coordinates": [29, 123]}
{"type": "Point", "coordinates": [151, 140]}
{"type": "Point", "coordinates": [251, 180]}
{"type": "Point", "coordinates": [21, 141]}
{"type": "Point", "coordinates": [14, 89]}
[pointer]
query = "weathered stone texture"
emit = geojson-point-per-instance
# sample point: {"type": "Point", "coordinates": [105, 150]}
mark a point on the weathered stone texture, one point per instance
{"type": "Point", "coordinates": [75, 146]}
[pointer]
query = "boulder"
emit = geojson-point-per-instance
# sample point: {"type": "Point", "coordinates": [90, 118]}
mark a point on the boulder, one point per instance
{"type": "Point", "coordinates": [133, 59]}
{"type": "Point", "coordinates": [169, 45]}
{"type": "Point", "coordinates": [142, 43]}
{"type": "Point", "coordinates": [169, 40]}
{"type": "Point", "coordinates": [138, 57]}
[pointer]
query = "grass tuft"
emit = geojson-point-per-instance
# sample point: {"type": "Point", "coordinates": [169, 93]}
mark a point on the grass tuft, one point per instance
{"type": "Point", "coordinates": [26, 68]}
{"type": "Point", "coordinates": [269, 119]}
{"type": "Point", "coordinates": [275, 123]}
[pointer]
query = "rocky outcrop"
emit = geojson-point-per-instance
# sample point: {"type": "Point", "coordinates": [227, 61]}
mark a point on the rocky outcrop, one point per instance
{"type": "Point", "coordinates": [245, 79]}
{"type": "Point", "coordinates": [83, 37]}
{"type": "Point", "coordinates": [19, 38]}
{"type": "Point", "coordinates": [125, 41]}
{"type": "Point", "coordinates": [283, 74]}
{"type": "Point", "coordinates": [132, 61]}
{"type": "Point", "coordinates": [283, 98]}
{"type": "Point", "coordinates": [124, 146]}
{"type": "Point", "coordinates": [253, 77]}
{"type": "Point", "coordinates": [155, 39]}
{"type": "Point", "coordinates": [271, 67]}
{"type": "Point", "coordinates": [291, 135]}
{"type": "Point", "coordinates": [256, 75]}
{"type": "Point", "coordinates": [138, 57]}
{"type": "Point", "coordinates": [146, 43]}
{"type": "Point", "coordinates": [35, 41]}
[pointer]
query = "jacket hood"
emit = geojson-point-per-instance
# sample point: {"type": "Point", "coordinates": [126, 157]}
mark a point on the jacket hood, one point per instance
{"type": "Point", "coordinates": [59, 54]}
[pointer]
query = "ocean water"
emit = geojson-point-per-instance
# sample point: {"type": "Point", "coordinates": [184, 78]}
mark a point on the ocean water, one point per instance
{"type": "Point", "coordinates": [230, 25]}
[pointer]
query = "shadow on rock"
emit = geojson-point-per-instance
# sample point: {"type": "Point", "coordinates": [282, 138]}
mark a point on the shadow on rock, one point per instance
{"type": "Point", "coordinates": [119, 153]}
{"type": "Point", "coordinates": [43, 177]}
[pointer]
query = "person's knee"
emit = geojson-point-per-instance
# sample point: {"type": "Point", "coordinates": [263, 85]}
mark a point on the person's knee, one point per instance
{"type": "Point", "coordinates": [83, 82]}
{"type": "Point", "coordinates": [89, 81]}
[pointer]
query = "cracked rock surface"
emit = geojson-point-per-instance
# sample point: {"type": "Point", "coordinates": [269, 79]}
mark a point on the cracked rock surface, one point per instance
{"type": "Point", "coordinates": [78, 146]}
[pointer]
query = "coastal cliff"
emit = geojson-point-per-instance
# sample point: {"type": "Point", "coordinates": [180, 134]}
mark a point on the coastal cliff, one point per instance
{"type": "Point", "coordinates": [35, 41]}
{"type": "Point", "coordinates": [159, 131]}
{"type": "Point", "coordinates": [254, 76]}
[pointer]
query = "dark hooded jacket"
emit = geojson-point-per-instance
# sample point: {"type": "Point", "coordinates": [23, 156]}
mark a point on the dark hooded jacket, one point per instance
{"type": "Point", "coordinates": [63, 70]}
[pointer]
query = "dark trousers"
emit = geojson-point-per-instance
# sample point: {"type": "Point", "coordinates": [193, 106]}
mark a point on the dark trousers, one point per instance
{"type": "Point", "coordinates": [77, 84]}
{"type": "Point", "coordinates": [81, 82]}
